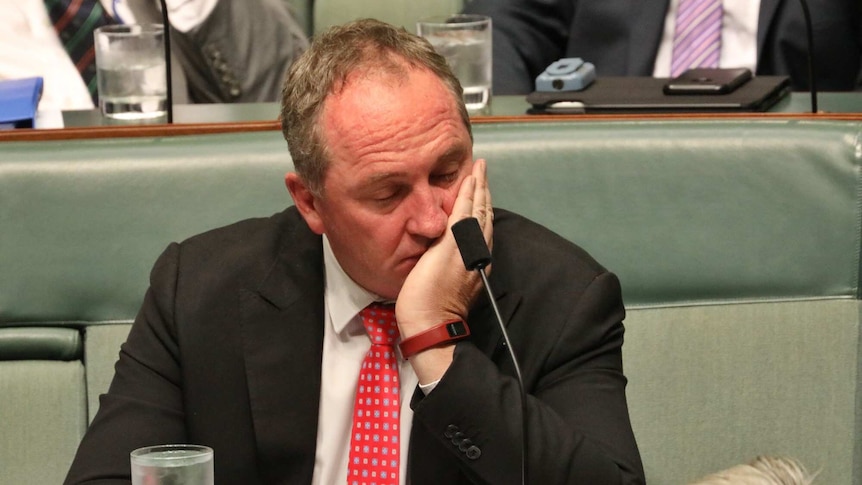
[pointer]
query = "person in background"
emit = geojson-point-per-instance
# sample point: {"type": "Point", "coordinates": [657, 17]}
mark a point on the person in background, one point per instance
{"type": "Point", "coordinates": [637, 38]}
{"type": "Point", "coordinates": [274, 340]}
{"type": "Point", "coordinates": [224, 51]}
{"type": "Point", "coordinates": [763, 470]}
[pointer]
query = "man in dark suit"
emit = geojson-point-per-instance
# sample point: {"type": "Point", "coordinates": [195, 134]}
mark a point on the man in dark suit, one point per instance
{"type": "Point", "coordinates": [248, 341]}
{"type": "Point", "coordinates": [622, 38]}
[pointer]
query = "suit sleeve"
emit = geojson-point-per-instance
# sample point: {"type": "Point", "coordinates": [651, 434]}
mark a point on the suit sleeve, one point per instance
{"type": "Point", "coordinates": [144, 403]}
{"type": "Point", "coordinates": [241, 52]}
{"type": "Point", "coordinates": [528, 35]}
{"type": "Point", "coordinates": [578, 428]}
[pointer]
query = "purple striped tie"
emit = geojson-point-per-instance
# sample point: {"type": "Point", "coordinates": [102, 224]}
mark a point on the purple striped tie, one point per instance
{"type": "Point", "coordinates": [697, 39]}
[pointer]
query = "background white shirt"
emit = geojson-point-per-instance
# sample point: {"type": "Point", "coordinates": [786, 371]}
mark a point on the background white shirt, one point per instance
{"type": "Point", "coordinates": [29, 46]}
{"type": "Point", "coordinates": [738, 36]}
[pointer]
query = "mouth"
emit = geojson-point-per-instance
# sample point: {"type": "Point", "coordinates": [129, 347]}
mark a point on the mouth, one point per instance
{"type": "Point", "coordinates": [410, 261]}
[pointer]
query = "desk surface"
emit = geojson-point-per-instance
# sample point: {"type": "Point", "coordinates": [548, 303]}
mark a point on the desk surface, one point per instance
{"type": "Point", "coordinates": [501, 106]}
{"type": "Point", "coordinates": [196, 119]}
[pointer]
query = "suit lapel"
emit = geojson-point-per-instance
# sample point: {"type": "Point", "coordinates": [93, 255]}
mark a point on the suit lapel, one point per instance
{"type": "Point", "coordinates": [768, 9]}
{"type": "Point", "coordinates": [282, 329]}
{"type": "Point", "coordinates": [486, 334]}
{"type": "Point", "coordinates": [646, 19]}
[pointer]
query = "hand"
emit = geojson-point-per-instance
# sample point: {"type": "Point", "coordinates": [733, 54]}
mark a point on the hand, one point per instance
{"type": "Point", "coordinates": [439, 288]}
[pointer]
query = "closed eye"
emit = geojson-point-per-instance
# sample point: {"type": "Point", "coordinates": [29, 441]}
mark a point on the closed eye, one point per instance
{"type": "Point", "coordinates": [387, 195]}
{"type": "Point", "coordinates": [444, 178]}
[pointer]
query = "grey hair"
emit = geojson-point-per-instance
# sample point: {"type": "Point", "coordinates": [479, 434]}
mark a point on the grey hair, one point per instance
{"type": "Point", "coordinates": [763, 470]}
{"type": "Point", "coordinates": [366, 45]}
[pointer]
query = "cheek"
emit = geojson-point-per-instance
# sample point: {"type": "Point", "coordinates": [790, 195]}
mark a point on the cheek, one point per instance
{"type": "Point", "coordinates": [374, 237]}
{"type": "Point", "coordinates": [390, 231]}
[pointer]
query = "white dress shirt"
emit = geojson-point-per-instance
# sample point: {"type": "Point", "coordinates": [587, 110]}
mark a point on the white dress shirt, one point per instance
{"type": "Point", "coordinates": [30, 47]}
{"type": "Point", "coordinates": [345, 344]}
{"type": "Point", "coordinates": [738, 36]}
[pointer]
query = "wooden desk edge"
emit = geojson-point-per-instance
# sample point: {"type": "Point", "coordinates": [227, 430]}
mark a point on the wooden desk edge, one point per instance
{"type": "Point", "coordinates": [183, 129]}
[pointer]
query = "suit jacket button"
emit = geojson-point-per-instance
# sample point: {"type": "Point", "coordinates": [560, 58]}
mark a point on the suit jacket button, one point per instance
{"type": "Point", "coordinates": [450, 431]}
{"type": "Point", "coordinates": [457, 438]}
{"type": "Point", "coordinates": [465, 445]}
{"type": "Point", "coordinates": [473, 452]}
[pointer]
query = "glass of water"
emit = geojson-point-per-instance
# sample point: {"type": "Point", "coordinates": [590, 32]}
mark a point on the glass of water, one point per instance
{"type": "Point", "coordinates": [465, 42]}
{"type": "Point", "coordinates": [172, 465]}
{"type": "Point", "coordinates": [130, 68]}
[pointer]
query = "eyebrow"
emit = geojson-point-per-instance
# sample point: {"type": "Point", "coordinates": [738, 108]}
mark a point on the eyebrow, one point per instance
{"type": "Point", "coordinates": [382, 177]}
{"type": "Point", "coordinates": [455, 153]}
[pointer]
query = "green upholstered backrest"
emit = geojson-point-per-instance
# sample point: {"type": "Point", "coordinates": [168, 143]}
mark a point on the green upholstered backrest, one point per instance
{"type": "Point", "coordinates": [737, 244]}
{"type": "Point", "coordinates": [83, 221]}
{"type": "Point", "coordinates": [43, 407]}
{"type": "Point", "coordinates": [400, 13]}
{"type": "Point", "coordinates": [712, 386]}
{"type": "Point", "coordinates": [317, 15]}
{"type": "Point", "coordinates": [302, 13]}
{"type": "Point", "coordinates": [682, 211]}
{"type": "Point", "coordinates": [687, 211]}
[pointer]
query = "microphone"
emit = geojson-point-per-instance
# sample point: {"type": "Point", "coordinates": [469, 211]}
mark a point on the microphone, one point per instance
{"type": "Point", "coordinates": [474, 251]}
{"type": "Point", "coordinates": [809, 33]}
{"type": "Point", "coordinates": [170, 94]}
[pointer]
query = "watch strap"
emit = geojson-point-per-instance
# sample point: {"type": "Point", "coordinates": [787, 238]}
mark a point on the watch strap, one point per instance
{"type": "Point", "coordinates": [443, 334]}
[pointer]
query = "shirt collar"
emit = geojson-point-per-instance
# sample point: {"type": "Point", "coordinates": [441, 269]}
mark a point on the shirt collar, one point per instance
{"type": "Point", "coordinates": [344, 297]}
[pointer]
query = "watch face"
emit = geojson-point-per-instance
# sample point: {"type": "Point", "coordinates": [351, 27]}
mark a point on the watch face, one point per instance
{"type": "Point", "coordinates": [457, 329]}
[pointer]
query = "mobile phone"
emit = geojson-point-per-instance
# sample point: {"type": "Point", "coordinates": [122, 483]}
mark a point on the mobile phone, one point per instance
{"type": "Point", "coordinates": [708, 81]}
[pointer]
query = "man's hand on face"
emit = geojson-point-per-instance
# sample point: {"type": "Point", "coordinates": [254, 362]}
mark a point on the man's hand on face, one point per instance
{"type": "Point", "coordinates": [439, 288]}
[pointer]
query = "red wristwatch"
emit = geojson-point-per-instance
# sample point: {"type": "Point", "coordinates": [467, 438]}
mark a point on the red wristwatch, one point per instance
{"type": "Point", "coordinates": [443, 334]}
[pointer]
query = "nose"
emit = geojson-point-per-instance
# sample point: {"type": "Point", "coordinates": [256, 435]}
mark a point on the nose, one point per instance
{"type": "Point", "coordinates": [427, 217]}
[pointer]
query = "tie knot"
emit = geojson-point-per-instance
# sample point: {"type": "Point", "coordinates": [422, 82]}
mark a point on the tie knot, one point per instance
{"type": "Point", "coordinates": [379, 321]}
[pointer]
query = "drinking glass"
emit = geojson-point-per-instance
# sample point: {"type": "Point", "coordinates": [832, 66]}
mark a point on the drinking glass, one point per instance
{"type": "Point", "coordinates": [465, 42]}
{"type": "Point", "coordinates": [172, 465]}
{"type": "Point", "coordinates": [130, 67]}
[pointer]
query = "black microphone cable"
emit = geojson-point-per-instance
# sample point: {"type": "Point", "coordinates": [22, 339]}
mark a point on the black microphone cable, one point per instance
{"type": "Point", "coordinates": [809, 33]}
{"type": "Point", "coordinates": [474, 251]}
{"type": "Point", "coordinates": [170, 93]}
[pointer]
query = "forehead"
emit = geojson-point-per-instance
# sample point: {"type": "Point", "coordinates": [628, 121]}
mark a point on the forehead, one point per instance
{"type": "Point", "coordinates": [394, 108]}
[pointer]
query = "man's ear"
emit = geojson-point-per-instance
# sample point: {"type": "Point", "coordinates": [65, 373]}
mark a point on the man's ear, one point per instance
{"type": "Point", "coordinates": [305, 201]}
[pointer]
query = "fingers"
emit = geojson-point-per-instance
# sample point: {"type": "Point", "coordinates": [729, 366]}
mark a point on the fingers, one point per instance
{"type": "Point", "coordinates": [463, 206]}
{"type": "Point", "coordinates": [474, 200]}
{"type": "Point", "coordinates": [482, 208]}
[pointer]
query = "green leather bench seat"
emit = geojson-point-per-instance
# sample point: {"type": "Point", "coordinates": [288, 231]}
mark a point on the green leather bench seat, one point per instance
{"type": "Point", "coordinates": [737, 244]}
{"type": "Point", "coordinates": [42, 402]}
{"type": "Point", "coordinates": [40, 343]}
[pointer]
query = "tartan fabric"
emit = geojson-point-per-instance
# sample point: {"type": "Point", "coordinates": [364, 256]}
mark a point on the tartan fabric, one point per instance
{"type": "Point", "coordinates": [75, 21]}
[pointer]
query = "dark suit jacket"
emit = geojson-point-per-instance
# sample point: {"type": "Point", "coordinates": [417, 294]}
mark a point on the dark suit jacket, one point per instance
{"type": "Point", "coordinates": [621, 38]}
{"type": "Point", "coordinates": [226, 352]}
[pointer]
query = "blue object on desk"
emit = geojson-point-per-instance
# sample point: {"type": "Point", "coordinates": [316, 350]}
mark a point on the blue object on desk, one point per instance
{"type": "Point", "coordinates": [18, 101]}
{"type": "Point", "coordinates": [567, 74]}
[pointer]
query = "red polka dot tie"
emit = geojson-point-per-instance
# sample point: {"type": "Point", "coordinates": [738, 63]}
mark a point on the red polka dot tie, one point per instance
{"type": "Point", "coordinates": [374, 441]}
